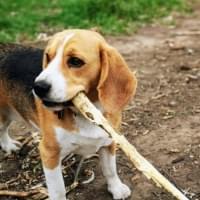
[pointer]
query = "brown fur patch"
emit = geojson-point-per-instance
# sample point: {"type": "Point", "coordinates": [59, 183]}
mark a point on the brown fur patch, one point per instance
{"type": "Point", "coordinates": [114, 119]}
{"type": "Point", "coordinates": [112, 148]}
{"type": "Point", "coordinates": [13, 96]}
{"type": "Point", "coordinates": [49, 147]}
{"type": "Point", "coordinates": [49, 151]}
{"type": "Point", "coordinates": [67, 122]}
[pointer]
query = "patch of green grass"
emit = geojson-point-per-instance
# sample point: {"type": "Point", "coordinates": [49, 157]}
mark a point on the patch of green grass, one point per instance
{"type": "Point", "coordinates": [22, 19]}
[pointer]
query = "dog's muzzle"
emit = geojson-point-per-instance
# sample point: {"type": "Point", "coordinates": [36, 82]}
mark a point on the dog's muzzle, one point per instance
{"type": "Point", "coordinates": [41, 89]}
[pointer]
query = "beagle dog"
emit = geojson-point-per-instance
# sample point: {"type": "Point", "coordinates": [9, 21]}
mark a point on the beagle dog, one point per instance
{"type": "Point", "coordinates": [73, 61]}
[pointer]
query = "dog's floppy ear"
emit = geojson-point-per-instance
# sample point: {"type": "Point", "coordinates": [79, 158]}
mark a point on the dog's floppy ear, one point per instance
{"type": "Point", "coordinates": [117, 84]}
{"type": "Point", "coordinates": [45, 59]}
{"type": "Point", "coordinates": [46, 56]}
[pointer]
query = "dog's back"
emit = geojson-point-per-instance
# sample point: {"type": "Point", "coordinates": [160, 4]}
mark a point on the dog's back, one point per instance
{"type": "Point", "coordinates": [19, 65]}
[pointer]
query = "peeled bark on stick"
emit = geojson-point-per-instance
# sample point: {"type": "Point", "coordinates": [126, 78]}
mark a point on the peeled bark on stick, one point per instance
{"type": "Point", "coordinates": [84, 105]}
{"type": "Point", "coordinates": [16, 193]}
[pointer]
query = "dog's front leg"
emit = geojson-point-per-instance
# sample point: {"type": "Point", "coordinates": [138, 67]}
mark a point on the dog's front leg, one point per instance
{"type": "Point", "coordinates": [51, 161]}
{"type": "Point", "coordinates": [108, 164]}
{"type": "Point", "coordinates": [6, 142]}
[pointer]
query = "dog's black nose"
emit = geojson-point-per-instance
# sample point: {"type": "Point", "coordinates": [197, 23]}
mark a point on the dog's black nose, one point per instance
{"type": "Point", "coordinates": [41, 88]}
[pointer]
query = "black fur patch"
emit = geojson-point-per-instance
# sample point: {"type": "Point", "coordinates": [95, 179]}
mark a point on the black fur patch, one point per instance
{"type": "Point", "coordinates": [19, 66]}
{"type": "Point", "coordinates": [22, 65]}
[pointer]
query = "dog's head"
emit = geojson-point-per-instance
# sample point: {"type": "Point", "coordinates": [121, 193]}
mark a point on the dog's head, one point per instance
{"type": "Point", "coordinates": [81, 60]}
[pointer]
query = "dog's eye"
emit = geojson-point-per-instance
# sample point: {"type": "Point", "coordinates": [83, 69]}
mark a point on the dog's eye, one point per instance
{"type": "Point", "coordinates": [75, 62]}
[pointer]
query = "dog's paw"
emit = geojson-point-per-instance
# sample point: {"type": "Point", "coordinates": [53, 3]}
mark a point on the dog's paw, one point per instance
{"type": "Point", "coordinates": [119, 190]}
{"type": "Point", "coordinates": [9, 145]}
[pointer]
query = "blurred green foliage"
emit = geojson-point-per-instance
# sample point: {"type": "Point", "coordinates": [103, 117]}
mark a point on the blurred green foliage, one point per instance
{"type": "Point", "coordinates": [26, 18]}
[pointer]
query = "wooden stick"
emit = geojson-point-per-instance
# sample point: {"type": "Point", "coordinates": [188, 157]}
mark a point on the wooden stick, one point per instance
{"type": "Point", "coordinates": [91, 113]}
{"type": "Point", "coordinates": [16, 193]}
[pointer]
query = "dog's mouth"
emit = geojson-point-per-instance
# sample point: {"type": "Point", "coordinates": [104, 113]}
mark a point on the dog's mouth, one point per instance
{"type": "Point", "coordinates": [57, 105]}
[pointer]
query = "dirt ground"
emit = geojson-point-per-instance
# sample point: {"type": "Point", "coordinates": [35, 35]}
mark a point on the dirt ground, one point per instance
{"type": "Point", "coordinates": [163, 121]}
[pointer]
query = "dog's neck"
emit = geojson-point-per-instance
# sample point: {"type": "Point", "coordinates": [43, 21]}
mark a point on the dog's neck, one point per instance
{"type": "Point", "coordinates": [60, 114]}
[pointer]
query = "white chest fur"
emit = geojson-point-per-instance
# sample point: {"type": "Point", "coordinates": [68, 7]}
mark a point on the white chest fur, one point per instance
{"type": "Point", "coordinates": [87, 140]}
